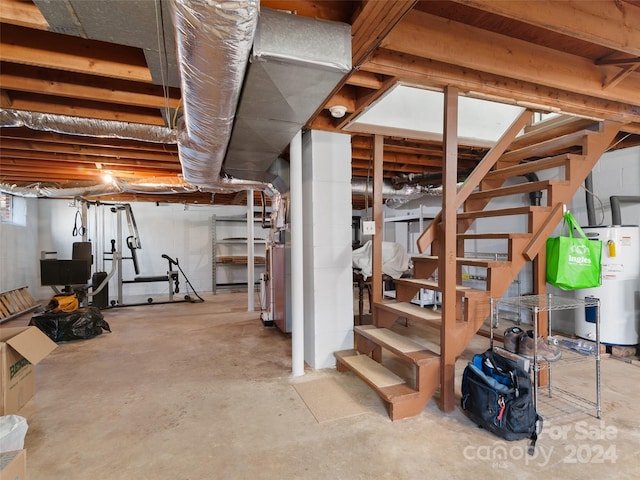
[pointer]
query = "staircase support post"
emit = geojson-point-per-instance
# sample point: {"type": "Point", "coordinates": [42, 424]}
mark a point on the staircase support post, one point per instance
{"type": "Point", "coordinates": [447, 259]}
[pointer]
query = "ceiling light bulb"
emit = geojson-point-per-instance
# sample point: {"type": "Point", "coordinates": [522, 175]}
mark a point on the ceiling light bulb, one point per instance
{"type": "Point", "coordinates": [338, 111]}
{"type": "Point", "coordinates": [107, 178]}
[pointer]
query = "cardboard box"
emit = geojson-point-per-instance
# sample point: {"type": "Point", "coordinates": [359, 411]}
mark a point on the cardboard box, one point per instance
{"type": "Point", "coordinates": [13, 465]}
{"type": "Point", "coordinates": [20, 349]}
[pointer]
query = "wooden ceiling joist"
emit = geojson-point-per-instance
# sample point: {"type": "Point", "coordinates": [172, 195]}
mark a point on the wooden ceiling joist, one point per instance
{"type": "Point", "coordinates": [47, 81]}
{"type": "Point", "coordinates": [427, 73]}
{"type": "Point", "coordinates": [85, 109]}
{"type": "Point", "coordinates": [57, 51]}
{"type": "Point", "coordinates": [23, 133]}
{"type": "Point", "coordinates": [594, 21]}
{"type": "Point", "coordinates": [427, 36]}
{"type": "Point", "coordinates": [71, 150]}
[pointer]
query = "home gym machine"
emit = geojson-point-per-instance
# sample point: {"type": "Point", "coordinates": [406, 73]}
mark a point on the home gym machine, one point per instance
{"type": "Point", "coordinates": [75, 274]}
{"type": "Point", "coordinates": [172, 276]}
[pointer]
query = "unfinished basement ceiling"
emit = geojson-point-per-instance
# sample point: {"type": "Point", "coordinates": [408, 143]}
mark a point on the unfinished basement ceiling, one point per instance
{"type": "Point", "coordinates": [115, 61]}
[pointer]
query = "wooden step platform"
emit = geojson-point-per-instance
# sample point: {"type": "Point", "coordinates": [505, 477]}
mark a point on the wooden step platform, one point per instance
{"type": "Point", "coordinates": [518, 189]}
{"type": "Point", "coordinates": [386, 383]}
{"type": "Point", "coordinates": [16, 302]}
{"type": "Point", "coordinates": [501, 212]}
{"type": "Point", "coordinates": [492, 236]}
{"type": "Point", "coordinates": [470, 262]}
{"type": "Point", "coordinates": [433, 285]}
{"type": "Point", "coordinates": [531, 167]}
{"type": "Point", "coordinates": [403, 347]}
{"type": "Point", "coordinates": [410, 312]}
{"type": "Point", "coordinates": [400, 400]}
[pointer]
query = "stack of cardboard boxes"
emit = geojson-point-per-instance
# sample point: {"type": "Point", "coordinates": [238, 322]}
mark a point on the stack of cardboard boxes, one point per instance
{"type": "Point", "coordinates": [21, 348]}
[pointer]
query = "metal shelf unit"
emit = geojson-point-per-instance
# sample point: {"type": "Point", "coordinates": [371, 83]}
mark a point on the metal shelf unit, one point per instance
{"type": "Point", "coordinates": [549, 303]}
{"type": "Point", "coordinates": [229, 260]}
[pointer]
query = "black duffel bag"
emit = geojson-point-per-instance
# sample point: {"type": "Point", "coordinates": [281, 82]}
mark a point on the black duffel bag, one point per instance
{"type": "Point", "coordinates": [498, 396]}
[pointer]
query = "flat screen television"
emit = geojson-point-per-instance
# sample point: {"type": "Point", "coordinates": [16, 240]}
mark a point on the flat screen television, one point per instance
{"type": "Point", "coordinates": [64, 272]}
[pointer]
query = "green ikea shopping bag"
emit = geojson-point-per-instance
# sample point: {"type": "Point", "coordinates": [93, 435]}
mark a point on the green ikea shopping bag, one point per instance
{"type": "Point", "coordinates": [573, 262]}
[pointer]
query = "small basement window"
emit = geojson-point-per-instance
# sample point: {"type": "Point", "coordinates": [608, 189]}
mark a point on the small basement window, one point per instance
{"type": "Point", "coordinates": [6, 208]}
{"type": "Point", "coordinates": [13, 210]}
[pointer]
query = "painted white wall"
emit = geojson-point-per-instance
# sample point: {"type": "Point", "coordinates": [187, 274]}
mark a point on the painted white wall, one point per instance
{"type": "Point", "coordinates": [19, 253]}
{"type": "Point", "coordinates": [328, 278]}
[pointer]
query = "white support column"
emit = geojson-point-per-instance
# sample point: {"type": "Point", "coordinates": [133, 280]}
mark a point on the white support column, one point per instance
{"type": "Point", "coordinates": [250, 253]}
{"type": "Point", "coordinates": [328, 273]}
{"type": "Point", "coordinates": [297, 258]}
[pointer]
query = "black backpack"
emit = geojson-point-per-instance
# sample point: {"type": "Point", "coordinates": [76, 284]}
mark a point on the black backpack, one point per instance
{"type": "Point", "coordinates": [497, 395]}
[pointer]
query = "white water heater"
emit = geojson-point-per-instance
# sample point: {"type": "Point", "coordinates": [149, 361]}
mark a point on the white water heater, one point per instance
{"type": "Point", "coordinates": [619, 292]}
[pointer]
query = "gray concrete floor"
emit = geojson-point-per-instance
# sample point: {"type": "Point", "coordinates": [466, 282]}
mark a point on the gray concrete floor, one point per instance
{"type": "Point", "coordinates": [203, 391]}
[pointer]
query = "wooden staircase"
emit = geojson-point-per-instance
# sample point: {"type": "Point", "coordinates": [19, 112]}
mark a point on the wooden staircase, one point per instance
{"type": "Point", "coordinates": [572, 147]}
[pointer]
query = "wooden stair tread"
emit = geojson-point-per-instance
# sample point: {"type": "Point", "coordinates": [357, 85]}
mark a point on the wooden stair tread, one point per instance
{"type": "Point", "coordinates": [471, 262]}
{"type": "Point", "coordinates": [433, 285]}
{"type": "Point", "coordinates": [516, 189]}
{"type": "Point", "coordinates": [545, 148]}
{"type": "Point", "coordinates": [501, 212]}
{"type": "Point", "coordinates": [529, 167]}
{"type": "Point", "coordinates": [387, 384]}
{"type": "Point", "coordinates": [492, 235]}
{"type": "Point", "coordinates": [409, 309]}
{"type": "Point", "coordinates": [398, 344]}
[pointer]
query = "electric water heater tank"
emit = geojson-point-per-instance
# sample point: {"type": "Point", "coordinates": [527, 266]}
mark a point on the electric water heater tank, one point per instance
{"type": "Point", "coordinates": [619, 292]}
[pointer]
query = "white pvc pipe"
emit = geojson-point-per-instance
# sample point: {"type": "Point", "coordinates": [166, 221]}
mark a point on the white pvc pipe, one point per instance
{"type": "Point", "coordinates": [250, 253]}
{"type": "Point", "coordinates": [297, 291]}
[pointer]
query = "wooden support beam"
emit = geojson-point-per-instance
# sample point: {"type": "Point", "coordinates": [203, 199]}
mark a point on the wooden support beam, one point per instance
{"type": "Point", "coordinates": [47, 81]}
{"type": "Point", "coordinates": [82, 108]}
{"type": "Point", "coordinates": [374, 21]}
{"type": "Point", "coordinates": [23, 133]}
{"type": "Point", "coordinates": [447, 261]}
{"type": "Point", "coordinates": [74, 54]}
{"type": "Point", "coordinates": [492, 157]}
{"type": "Point", "coordinates": [429, 36]}
{"type": "Point", "coordinates": [5, 99]}
{"type": "Point", "coordinates": [376, 260]}
{"type": "Point", "coordinates": [422, 72]}
{"type": "Point", "coordinates": [621, 75]}
{"type": "Point", "coordinates": [25, 14]}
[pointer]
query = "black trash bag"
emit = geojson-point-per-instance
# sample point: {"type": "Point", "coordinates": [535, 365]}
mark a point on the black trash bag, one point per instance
{"type": "Point", "coordinates": [82, 324]}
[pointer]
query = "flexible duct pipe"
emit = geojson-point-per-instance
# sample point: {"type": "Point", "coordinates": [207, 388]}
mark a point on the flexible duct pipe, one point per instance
{"type": "Point", "coordinates": [87, 127]}
{"type": "Point", "coordinates": [213, 41]}
{"type": "Point", "coordinates": [616, 200]}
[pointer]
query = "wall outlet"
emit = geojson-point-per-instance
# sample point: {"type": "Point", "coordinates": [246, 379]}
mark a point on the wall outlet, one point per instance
{"type": "Point", "coordinates": [368, 227]}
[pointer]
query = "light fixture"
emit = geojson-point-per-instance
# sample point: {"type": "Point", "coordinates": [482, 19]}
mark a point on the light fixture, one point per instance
{"type": "Point", "coordinates": [107, 178]}
{"type": "Point", "coordinates": [338, 111]}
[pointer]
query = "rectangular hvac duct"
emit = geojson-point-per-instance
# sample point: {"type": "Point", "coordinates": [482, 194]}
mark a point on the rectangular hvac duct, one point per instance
{"type": "Point", "coordinates": [295, 64]}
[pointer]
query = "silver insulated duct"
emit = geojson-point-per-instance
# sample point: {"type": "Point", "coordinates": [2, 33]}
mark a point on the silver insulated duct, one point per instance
{"type": "Point", "coordinates": [213, 41]}
{"type": "Point", "coordinates": [295, 64]}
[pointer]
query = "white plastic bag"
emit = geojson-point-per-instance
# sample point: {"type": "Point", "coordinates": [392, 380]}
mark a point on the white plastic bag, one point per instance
{"type": "Point", "coordinates": [13, 429]}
